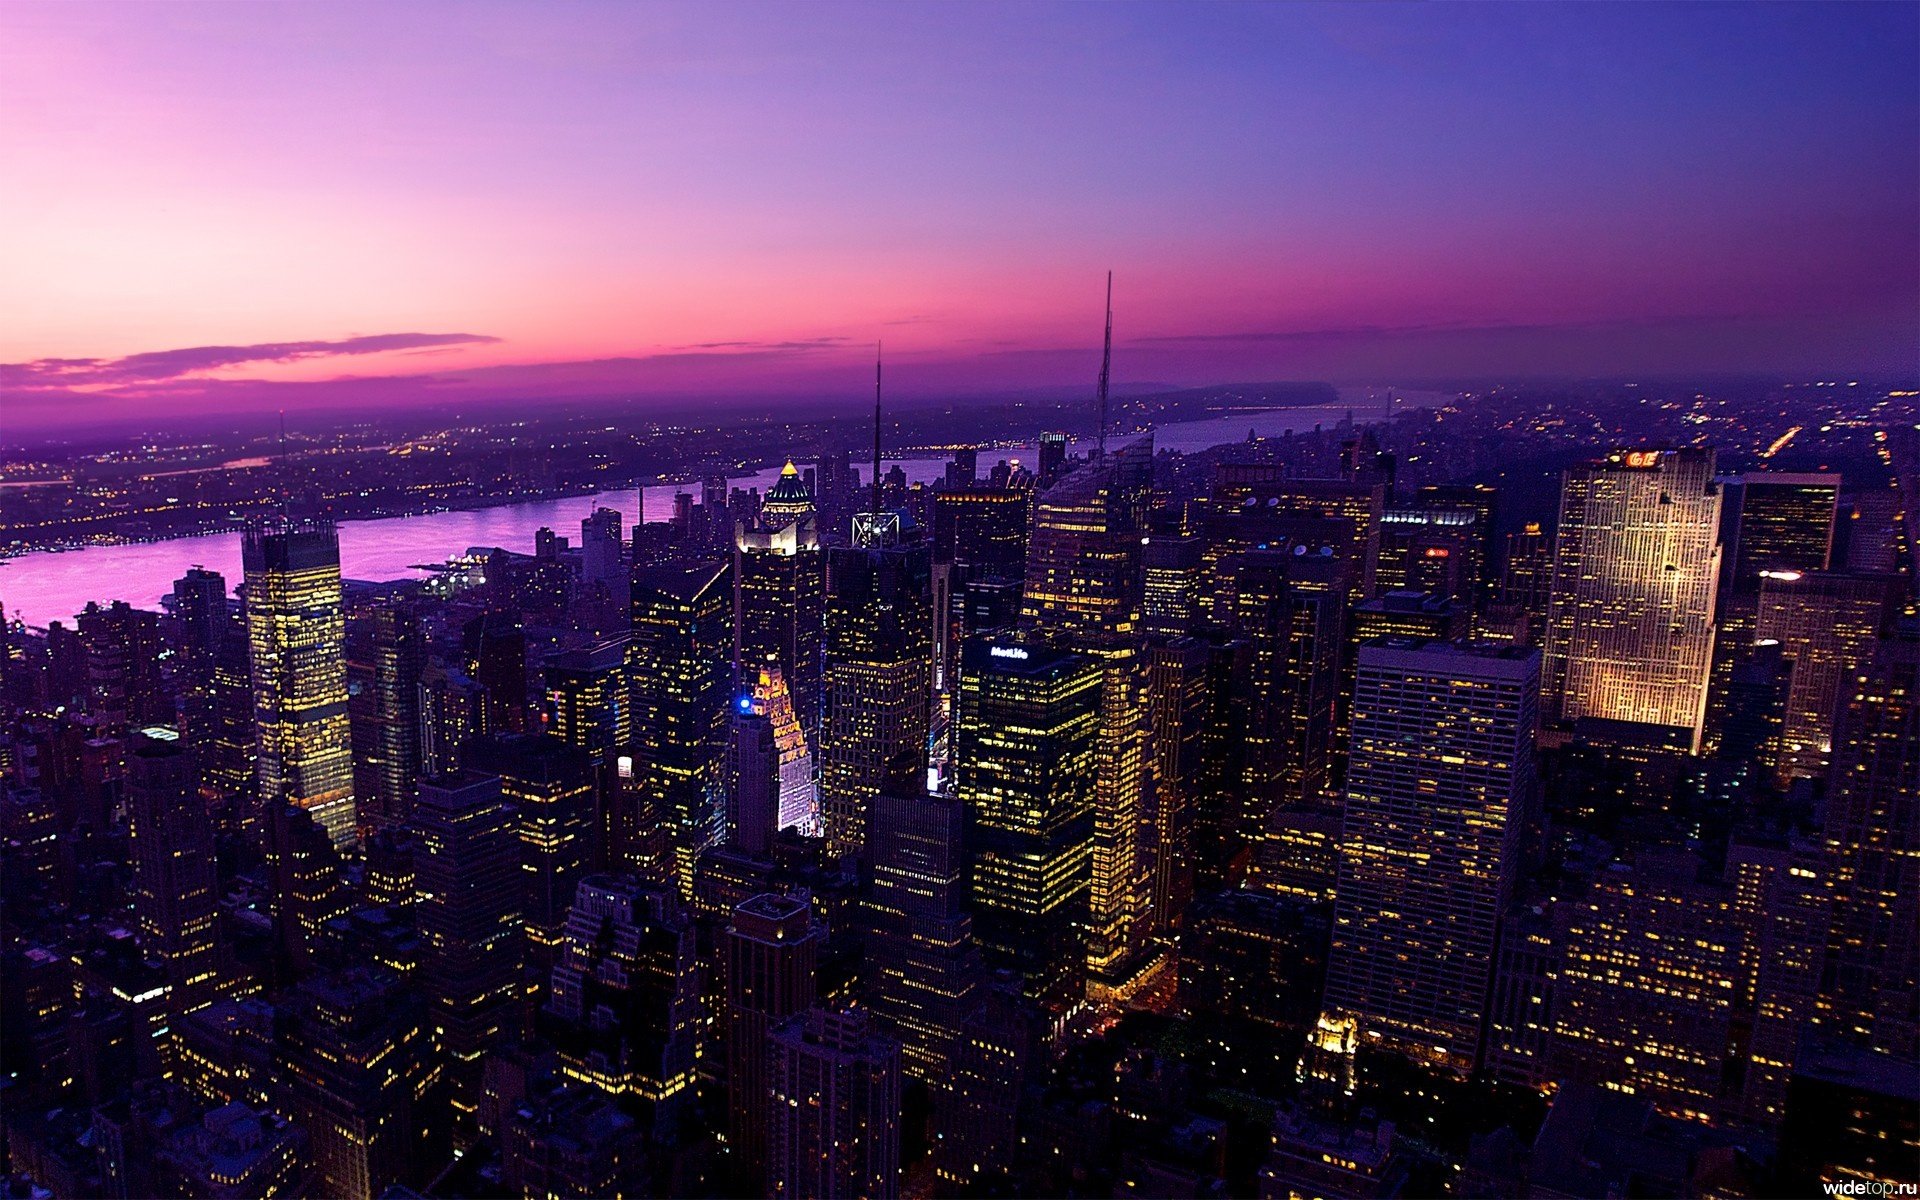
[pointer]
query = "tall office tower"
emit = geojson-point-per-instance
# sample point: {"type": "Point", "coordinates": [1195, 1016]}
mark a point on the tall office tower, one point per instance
{"type": "Point", "coordinates": [978, 534]}
{"type": "Point", "coordinates": [1828, 624]}
{"type": "Point", "coordinates": [779, 602]}
{"type": "Point", "coordinates": [1083, 560]}
{"type": "Point", "coordinates": [603, 561]}
{"type": "Point", "coordinates": [125, 689]}
{"type": "Point", "coordinates": [879, 684]}
{"type": "Point", "coordinates": [399, 660]}
{"type": "Point", "coordinates": [753, 778]}
{"type": "Point", "coordinates": [360, 1071]}
{"type": "Point", "coordinates": [206, 624]}
{"type": "Point", "coordinates": [1290, 610]}
{"type": "Point", "coordinates": [297, 632]}
{"type": "Point", "coordinates": [682, 691]}
{"type": "Point", "coordinates": [1053, 458]}
{"type": "Point", "coordinates": [626, 995]}
{"type": "Point", "coordinates": [1172, 585]}
{"type": "Point", "coordinates": [1256, 503]}
{"type": "Point", "coordinates": [1779, 522]}
{"type": "Point", "coordinates": [230, 772]}
{"type": "Point", "coordinates": [1527, 578]}
{"type": "Point", "coordinates": [834, 1131]}
{"type": "Point", "coordinates": [495, 645]}
{"type": "Point", "coordinates": [589, 700]}
{"type": "Point", "coordinates": [772, 947]}
{"type": "Point", "coordinates": [1871, 837]}
{"type": "Point", "coordinates": [1441, 768]}
{"type": "Point", "coordinates": [1873, 531]}
{"type": "Point", "coordinates": [1438, 549]}
{"type": "Point", "coordinates": [453, 708]}
{"type": "Point", "coordinates": [1649, 984]}
{"type": "Point", "coordinates": [922, 962]}
{"type": "Point", "coordinates": [551, 785]}
{"type": "Point", "coordinates": [788, 500]}
{"type": "Point", "coordinates": [308, 891]}
{"type": "Point", "coordinates": [1177, 700]}
{"type": "Point", "coordinates": [1121, 955]}
{"type": "Point", "coordinates": [837, 486]}
{"type": "Point", "coordinates": [977, 1110]}
{"type": "Point", "coordinates": [983, 527]}
{"type": "Point", "coordinates": [1025, 757]}
{"type": "Point", "coordinates": [963, 470]}
{"type": "Point", "coordinates": [175, 896]}
{"type": "Point", "coordinates": [467, 911]}
{"type": "Point", "coordinates": [1636, 567]}
{"type": "Point", "coordinates": [796, 795]}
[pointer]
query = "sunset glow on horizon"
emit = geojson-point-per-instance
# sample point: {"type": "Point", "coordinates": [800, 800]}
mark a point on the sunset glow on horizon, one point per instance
{"type": "Point", "coordinates": [245, 206]}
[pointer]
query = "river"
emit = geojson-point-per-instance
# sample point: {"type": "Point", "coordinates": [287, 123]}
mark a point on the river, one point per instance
{"type": "Point", "coordinates": [54, 585]}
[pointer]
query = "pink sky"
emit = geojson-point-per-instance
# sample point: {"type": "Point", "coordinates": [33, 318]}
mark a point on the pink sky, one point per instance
{"type": "Point", "coordinates": [669, 200]}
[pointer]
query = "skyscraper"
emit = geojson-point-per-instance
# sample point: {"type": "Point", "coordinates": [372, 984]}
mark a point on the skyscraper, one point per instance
{"type": "Point", "coordinates": [682, 690]}
{"type": "Point", "coordinates": [779, 599]}
{"type": "Point", "coordinates": [551, 785]}
{"type": "Point", "coordinates": [772, 946]}
{"type": "Point", "coordinates": [468, 911]}
{"type": "Point", "coordinates": [1025, 760]}
{"type": "Point", "coordinates": [1083, 560]}
{"type": "Point", "coordinates": [1636, 566]}
{"type": "Point", "coordinates": [835, 1104]}
{"type": "Point", "coordinates": [1441, 767]}
{"type": "Point", "coordinates": [879, 681]}
{"type": "Point", "coordinates": [297, 633]}
{"type": "Point", "coordinates": [923, 965]}
{"type": "Point", "coordinates": [399, 654]}
{"type": "Point", "coordinates": [176, 894]}
{"type": "Point", "coordinates": [1779, 522]}
{"type": "Point", "coordinates": [626, 995]}
{"type": "Point", "coordinates": [603, 555]}
{"type": "Point", "coordinates": [589, 703]}
{"type": "Point", "coordinates": [1828, 624]}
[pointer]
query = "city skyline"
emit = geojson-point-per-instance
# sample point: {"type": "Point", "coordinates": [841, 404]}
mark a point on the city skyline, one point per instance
{"type": "Point", "coordinates": [352, 207]}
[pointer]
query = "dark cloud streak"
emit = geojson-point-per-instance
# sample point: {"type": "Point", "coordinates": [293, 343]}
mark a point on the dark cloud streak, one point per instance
{"type": "Point", "coordinates": [160, 365]}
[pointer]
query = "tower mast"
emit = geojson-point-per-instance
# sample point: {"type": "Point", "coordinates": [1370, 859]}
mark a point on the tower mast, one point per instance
{"type": "Point", "coordinates": [1106, 366]}
{"type": "Point", "coordinates": [876, 429]}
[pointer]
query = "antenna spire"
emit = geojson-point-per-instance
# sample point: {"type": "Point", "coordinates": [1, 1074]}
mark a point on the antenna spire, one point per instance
{"type": "Point", "coordinates": [1106, 366]}
{"type": "Point", "coordinates": [876, 429]}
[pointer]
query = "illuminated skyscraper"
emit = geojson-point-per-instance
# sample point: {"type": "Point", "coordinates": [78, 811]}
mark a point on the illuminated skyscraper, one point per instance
{"type": "Point", "coordinates": [1171, 600]}
{"type": "Point", "coordinates": [467, 909]}
{"type": "Point", "coordinates": [835, 1103]}
{"type": "Point", "coordinates": [589, 703]}
{"type": "Point", "coordinates": [772, 946]}
{"type": "Point", "coordinates": [682, 690]}
{"type": "Point", "coordinates": [1053, 458]}
{"type": "Point", "coordinates": [391, 762]}
{"type": "Point", "coordinates": [779, 599]}
{"type": "Point", "coordinates": [1828, 625]}
{"type": "Point", "coordinates": [978, 534]}
{"type": "Point", "coordinates": [1083, 560]}
{"type": "Point", "coordinates": [1120, 956]}
{"type": "Point", "coordinates": [1025, 762]}
{"type": "Point", "coordinates": [176, 895]}
{"type": "Point", "coordinates": [788, 500]}
{"type": "Point", "coordinates": [125, 689]}
{"type": "Point", "coordinates": [1648, 984]}
{"type": "Point", "coordinates": [879, 683]}
{"type": "Point", "coordinates": [1780, 522]}
{"type": "Point", "coordinates": [924, 966]}
{"type": "Point", "coordinates": [626, 995]}
{"type": "Point", "coordinates": [1636, 566]}
{"type": "Point", "coordinates": [1871, 842]}
{"type": "Point", "coordinates": [1441, 766]}
{"type": "Point", "coordinates": [551, 785]}
{"type": "Point", "coordinates": [297, 634]}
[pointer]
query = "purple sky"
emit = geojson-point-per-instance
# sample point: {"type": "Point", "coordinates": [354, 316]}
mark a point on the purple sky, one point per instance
{"type": "Point", "coordinates": [241, 206]}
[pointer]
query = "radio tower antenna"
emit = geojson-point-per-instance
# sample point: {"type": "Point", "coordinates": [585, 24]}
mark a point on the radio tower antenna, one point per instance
{"type": "Point", "coordinates": [1106, 366]}
{"type": "Point", "coordinates": [876, 429]}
